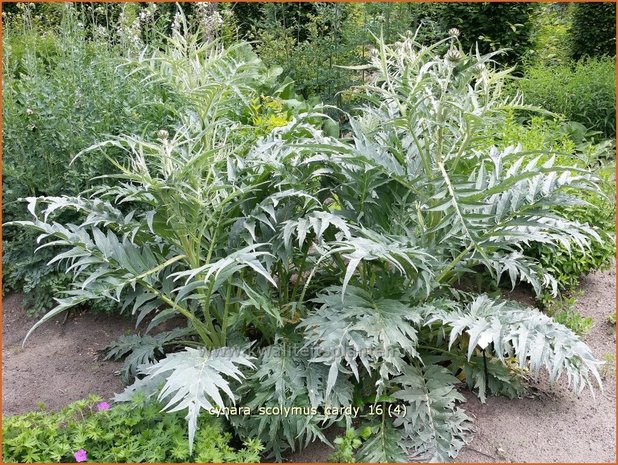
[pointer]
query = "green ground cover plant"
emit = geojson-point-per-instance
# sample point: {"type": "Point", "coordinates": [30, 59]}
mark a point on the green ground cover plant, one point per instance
{"type": "Point", "coordinates": [137, 431]}
{"type": "Point", "coordinates": [318, 272]}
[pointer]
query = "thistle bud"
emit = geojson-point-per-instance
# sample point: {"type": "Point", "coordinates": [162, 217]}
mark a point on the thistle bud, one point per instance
{"type": "Point", "coordinates": [453, 32]}
{"type": "Point", "coordinates": [162, 134]}
{"type": "Point", "coordinates": [453, 55]}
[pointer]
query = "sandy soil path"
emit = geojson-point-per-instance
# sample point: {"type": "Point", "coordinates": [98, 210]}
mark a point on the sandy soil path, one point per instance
{"type": "Point", "coordinates": [59, 362]}
{"type": "Point", "coordinates": [555, 425]}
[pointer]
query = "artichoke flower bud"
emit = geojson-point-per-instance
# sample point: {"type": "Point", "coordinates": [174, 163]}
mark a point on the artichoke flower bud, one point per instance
{"type": "Point", "coordinates": [453, 55]}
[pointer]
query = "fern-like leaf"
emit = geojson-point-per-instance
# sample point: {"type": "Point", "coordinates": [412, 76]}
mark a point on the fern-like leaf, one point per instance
{"type": "Point", "coordinates": [436, 428]}
{"type": "Point", "coordinates": [139, 349]}
{"type": "Point", "coordinates": [525, 333]}
{"type": "Point", "coordinates": [386, 444]}
{"type": "Point", "coordinates": [354, 326]}
{"type": "Point", "coordinates": [196, 378]}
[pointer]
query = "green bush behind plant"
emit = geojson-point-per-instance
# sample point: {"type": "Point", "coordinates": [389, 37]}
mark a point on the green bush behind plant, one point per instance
{"type": "Point", "coordinates": [136, 431]}
{"type": "Point", "coordinates": [584, 91]}
{"type": "Point", "coordinates": [61, 93]}
{"type": "Point", "coordinates": [594, 30]}
{"type": "Point", "coordinates": [550, 34]}
{"type": "Point", "coordinates": [493, 26]}
{"type": "Point", "coordinates": [312, 41]}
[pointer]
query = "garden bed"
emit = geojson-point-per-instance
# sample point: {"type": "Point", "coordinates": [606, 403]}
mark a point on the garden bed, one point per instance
{"type": "Point", "coordinates": [59, 365]}
{"type": "Point", "coordinates": [309, 258]}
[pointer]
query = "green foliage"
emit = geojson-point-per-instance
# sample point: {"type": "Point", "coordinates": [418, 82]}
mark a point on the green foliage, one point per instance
{"type": "Point", "coordinates": [572, 144]}
{"type": "Point", "coordinates": [193, 378]}
{"type": "Point", "coordinates": [485, 374]}
{"type": "Point", "coordinates": [492, 26]}
{"type": "Point", "coordinates": [436, 427]}
{"type": "Point", "coordinates": [562, 311]}
{"type": "Point", "coordinates": [594, 30]}
{"type": "Point", "coordinates": [335, 258]}
{"type": "Point", "coordinates": [313, 43]}
{"type": "Point", "coordinates": [550, 34]}
{"type": "Point", "coordinates": [386, 443]}
{"type": "Point", "coordinates": [344, 325]}
{"type": "Point", "coordinates": [137, 431]}
{"type": "Point", "coordinates": [598, 210]}
{"type": "Point", "coordinates": [137, 349]}
{"type": "Point", "coordinates": [532, 338]}
{"type": "Point", "coordinates": [574, 321]}
{"type": "Point", "coordinates": [347, 444]}
{"type": "Point", "coordinates": [308, 42]}
{"type": "Point", "coordinates": [584, 91]}
{"type": "Point", "coordinates": [285, 380]}
{"type": "Point", "coordinates": [61, 93]}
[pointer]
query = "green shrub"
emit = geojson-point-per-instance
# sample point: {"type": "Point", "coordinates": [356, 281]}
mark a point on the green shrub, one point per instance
{"type": "Point", "coordinates": [309, 42]}
{"type": "Point", "coordinates": [135, 431]}
{"type": "Point", "coordinates": [593, 33]}
{"type": "Point", "coordinates": [61, 93]}
{"type": "Point", "coordinates": [584, 92]}
{"type": "Point", "coordinates": [312, 42]}
{"type": "Point", "coordinates": [550, 34]}
{"type": "Point", "coordinates": [493, 26]}
{"type": "Point", "coordinates": [568, 265]}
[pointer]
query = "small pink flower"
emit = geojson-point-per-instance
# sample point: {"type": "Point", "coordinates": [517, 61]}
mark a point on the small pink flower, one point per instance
{"type": "Point", "coordinates": [102, 406]}
{"type": "Point", "coordinates": [81, 455]}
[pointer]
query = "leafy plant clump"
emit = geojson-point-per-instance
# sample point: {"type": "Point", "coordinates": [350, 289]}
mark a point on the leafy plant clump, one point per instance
{"type": "Point", "coordinates": [584, 91]}
{"type": "Point", "coordinates": [136, 431]}
{"type": "Point", "coordinates": [62, 91]}
{"type": "Point", "coordinates": [573, 145]}
{"type": "Point", "coordinates": [562, 311]}
{"type": "Point", "coordinates": [347, 444]}
{"type": "Point", "coordinates": [319, 274]}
